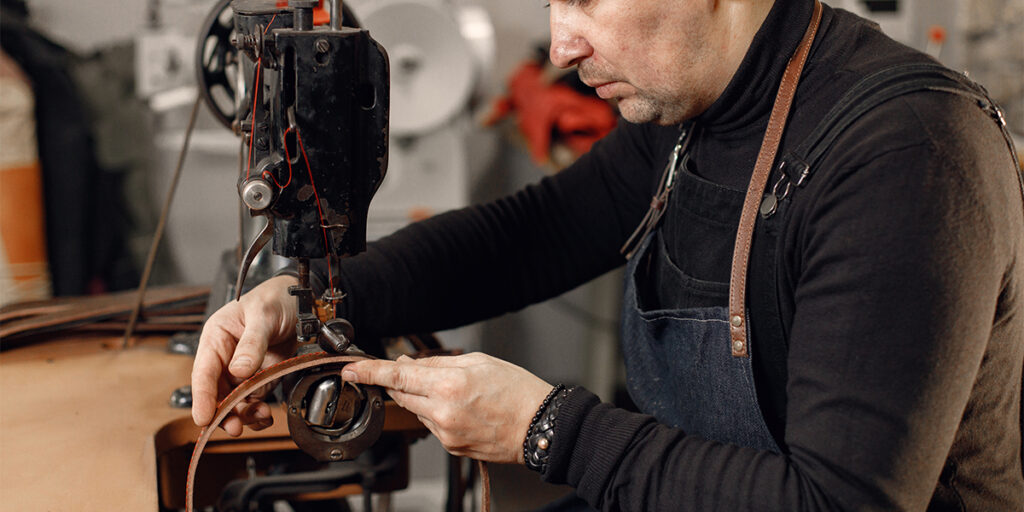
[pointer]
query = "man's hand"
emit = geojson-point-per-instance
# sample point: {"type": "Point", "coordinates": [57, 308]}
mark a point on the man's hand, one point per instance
{"type": "Point", "coordinates": [239, 339]}
{"type": "Point", "coordinates": [477, 406]}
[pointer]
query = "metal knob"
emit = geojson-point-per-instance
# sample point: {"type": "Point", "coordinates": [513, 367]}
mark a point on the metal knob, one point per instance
{"type": "Point", "coordinates": [181, 398]}
{"type": "Point", "coordinates": [336, 335]}
{"type": "Point", "coordinates": [257, 194]}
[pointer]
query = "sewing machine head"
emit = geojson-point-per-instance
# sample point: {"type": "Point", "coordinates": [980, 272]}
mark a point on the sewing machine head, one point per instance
{"type": "Point", "coordinates": [318, 140]}
{"type": "Point", "coordinates": [311, 105]}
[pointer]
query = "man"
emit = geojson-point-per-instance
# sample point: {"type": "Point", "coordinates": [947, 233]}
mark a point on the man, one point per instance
{"type": "Point", "coordinates": [885, 299]}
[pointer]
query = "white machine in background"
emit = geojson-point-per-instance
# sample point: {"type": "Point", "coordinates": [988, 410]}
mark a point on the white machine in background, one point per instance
{"type": "Point", "coordinates": [440, 56]}
{"type": "Point", "coordinates": [165, 53]}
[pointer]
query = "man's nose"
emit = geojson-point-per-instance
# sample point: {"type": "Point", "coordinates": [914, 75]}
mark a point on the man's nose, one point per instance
{"type": "Point", "coordinates": [568, 46]}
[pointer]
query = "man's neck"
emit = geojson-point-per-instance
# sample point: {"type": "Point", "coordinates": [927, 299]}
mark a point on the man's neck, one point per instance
{"type": "Point", "coordinates": [739, 21]}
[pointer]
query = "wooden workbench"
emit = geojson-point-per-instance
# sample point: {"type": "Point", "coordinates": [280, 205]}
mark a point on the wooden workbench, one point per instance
{"type": "Point", "coordinates": [82, 423]}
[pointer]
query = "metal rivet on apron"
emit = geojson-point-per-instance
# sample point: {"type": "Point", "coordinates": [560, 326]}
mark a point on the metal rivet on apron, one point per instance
{"type": "Point", "coordinates": [737, 345]}
{"type": "Point", "coordinates": [737, 321]}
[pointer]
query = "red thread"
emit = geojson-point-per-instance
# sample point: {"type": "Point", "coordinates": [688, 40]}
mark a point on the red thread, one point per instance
{"type": "Point", "coordinates": [269, 176]}
{"type": "Point", "coordinates": [252, 114]}
{"type": "Point", "coordinates": [319, 209]}
{"type": "Point", "coordinates": [256, 95]}
{"type": "Point", "coordinates": [287, 156]}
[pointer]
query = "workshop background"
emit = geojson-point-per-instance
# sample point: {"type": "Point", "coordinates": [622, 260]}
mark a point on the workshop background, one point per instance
{"type": "Point", "coordinates": [131, 65]}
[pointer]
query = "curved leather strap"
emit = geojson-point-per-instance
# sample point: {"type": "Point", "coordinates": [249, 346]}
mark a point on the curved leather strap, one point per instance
{"type": "Point", "coordinates": [762, 169]}
{"type": "Point", "coordinates": [264, 377]}
{"type": "Point", "coordinates": [240, 393]}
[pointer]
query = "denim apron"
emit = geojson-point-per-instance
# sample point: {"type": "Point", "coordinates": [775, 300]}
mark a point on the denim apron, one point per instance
{"type": "Point", "coordinates": [677, 352]}
{"type": "Point", "coordinates": [679, 364]}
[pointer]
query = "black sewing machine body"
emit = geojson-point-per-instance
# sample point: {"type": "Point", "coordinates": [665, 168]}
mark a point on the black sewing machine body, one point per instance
{"type": "Point", "coordinates": [321, 106]}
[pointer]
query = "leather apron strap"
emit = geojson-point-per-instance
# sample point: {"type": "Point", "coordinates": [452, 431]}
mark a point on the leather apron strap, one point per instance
{"type": "Point", "coordinates": [762, 170]}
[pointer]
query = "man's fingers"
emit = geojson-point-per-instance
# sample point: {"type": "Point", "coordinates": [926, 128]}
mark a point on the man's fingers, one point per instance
{"type": "Point", "coordinates": [216, 344]}
{"type": "Point", "coordinates": [206, 373]}
{"type": "Point", "coordinates": [232, 425]}
{"type": "Point", "coordinates": [254, 413]}
{"type": "Point", "coordinates": [408, 377]}
{"type": "Point", "coordinates": [252, 346]}
{"type": "Point", "coordinates": [262, 424]}
{"type": "Point", "coordinates": [377, 372]}
{"type": "Point", "coordinates": [204, 393]}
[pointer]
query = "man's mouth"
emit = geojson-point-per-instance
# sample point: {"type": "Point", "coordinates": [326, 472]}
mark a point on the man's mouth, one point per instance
{"type": "Point", "coordinates": [604, 89]}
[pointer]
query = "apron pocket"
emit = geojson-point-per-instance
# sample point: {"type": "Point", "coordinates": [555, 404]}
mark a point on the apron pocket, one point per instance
{"type": "Point", "coordinates": [673, 289]}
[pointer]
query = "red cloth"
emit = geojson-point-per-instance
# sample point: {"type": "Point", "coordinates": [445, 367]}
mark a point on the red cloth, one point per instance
{"type": "Point", "coordinates": [321, 16]}
{"type": "Point", "coordinates": [552, 112]}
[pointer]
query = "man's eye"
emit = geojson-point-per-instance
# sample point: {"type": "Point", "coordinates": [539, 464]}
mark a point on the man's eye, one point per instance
{"type": "Point", "coordinates": [570, 3]}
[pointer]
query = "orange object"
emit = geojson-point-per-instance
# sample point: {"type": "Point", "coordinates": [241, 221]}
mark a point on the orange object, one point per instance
{"type": "Point", "coordinates": [24, 268]}
{"type": "Point", "coordinates": [552, 112]}
{"type": "Point", "coordinates": [418, 213]}
{"type": "Point", "coordinates": [937, 34]}
{"type": "Point", "coordinates": [21, 215]}
{"type": "Point", "coordinates": [321, 16]}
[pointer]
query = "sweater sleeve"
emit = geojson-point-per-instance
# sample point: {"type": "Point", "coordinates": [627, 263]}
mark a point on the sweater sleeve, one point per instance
{"type": "Point", "coordinates": [475, 263]}
{"type": "Point", "coordinates": [905, 262]}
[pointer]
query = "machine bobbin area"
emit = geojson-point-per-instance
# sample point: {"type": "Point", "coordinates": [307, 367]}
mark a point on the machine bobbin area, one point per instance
{"type": "Point", "coordinates": [331, 419]}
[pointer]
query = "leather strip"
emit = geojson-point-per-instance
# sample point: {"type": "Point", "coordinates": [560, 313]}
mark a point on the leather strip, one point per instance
{"type": "Point", "coordinates": [485, 485]}
{"type": "Point", "coordinates": [240, 393]}
{"type": "Point", "coordinates": [22, 320]}
{"type": "Point", "coordinates": [762, 170]}
{"type": "Point", "coordinates": [264, 377]}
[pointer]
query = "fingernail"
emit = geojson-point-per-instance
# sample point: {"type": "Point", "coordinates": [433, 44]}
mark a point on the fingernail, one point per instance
{"type": "Point", "coordinates": [262, 415]}
{"type": "Point", "coordinates": [242, 363]}
{"type": "Point", "coordinates": [404, 357]}
{"type": "Point", "coordinates": [349, 375]}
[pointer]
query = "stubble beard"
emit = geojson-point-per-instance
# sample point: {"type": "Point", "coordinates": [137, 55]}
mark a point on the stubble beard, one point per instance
{"type": "Point", "coordinates": [647, 108]}
{"type": "Point", "coordinates": [644, 106]}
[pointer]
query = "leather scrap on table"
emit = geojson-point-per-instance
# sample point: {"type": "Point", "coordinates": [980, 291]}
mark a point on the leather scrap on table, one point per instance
{"type": "Point", "coordinates": [168, 308]}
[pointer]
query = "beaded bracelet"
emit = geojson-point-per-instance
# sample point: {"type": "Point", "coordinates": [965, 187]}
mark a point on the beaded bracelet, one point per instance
{"type": "Point", "coordinates": [542, 430]}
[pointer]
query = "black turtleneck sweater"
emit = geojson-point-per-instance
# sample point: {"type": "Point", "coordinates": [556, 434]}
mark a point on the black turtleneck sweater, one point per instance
{"type": "Point", "coordinates": [902, 287]}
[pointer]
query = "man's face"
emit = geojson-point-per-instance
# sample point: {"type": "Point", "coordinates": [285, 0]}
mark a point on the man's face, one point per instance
{"type": "Point", "coordinates": [658, 58]}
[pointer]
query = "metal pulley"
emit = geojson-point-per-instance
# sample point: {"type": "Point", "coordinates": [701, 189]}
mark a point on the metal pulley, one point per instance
{"type": "Point", "coordinates": [219, 74]}
{"type": "Point", "coordinates": [432, 70]}
{"type": "Point", "coordinates": [257, 194]}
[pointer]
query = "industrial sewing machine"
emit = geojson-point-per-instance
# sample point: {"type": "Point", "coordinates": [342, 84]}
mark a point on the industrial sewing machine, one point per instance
{"type": "Point", "coordinates": [310, 101]}
{"type": "Point", "coordinates": [315, 125]}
